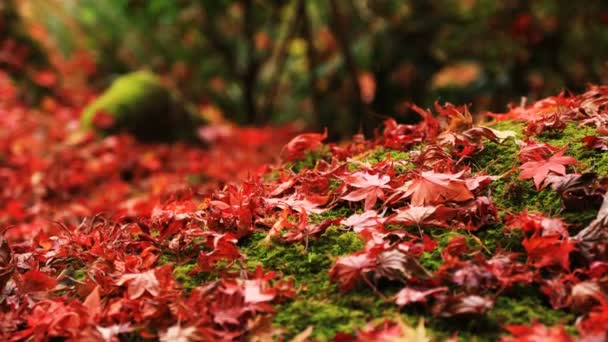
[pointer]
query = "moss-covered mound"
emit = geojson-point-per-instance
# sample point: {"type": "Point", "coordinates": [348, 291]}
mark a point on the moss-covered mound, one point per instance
{"type": "Point", "coordinates": [509, 253]}
{"type": "Point", "coordinates": [142, 105]}
{"type": "Point", "coordinates": [438, 230]}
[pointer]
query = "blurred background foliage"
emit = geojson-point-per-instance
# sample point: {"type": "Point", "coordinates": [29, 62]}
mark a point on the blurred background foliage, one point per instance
{"type": "Point", "coordinates": [341, 64]}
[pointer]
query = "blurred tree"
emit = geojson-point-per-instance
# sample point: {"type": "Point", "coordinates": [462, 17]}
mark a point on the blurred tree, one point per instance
{"type": "Point", "coordinates": [341, 64]}
{"type": "Point", "coordinates": [22, 56]}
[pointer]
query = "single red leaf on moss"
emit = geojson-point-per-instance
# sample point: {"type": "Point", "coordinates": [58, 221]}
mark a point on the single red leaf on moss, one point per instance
{"type": "Point", "coordinates": [538, 224]}
{"type": "Point", "coordinates": [415, 215]}
{"type": "Point", "coordinates": [596, 142]}
{"type": "Point", "coordinates": [539, 170]}
{"type": "Point", "coordinates": [536, 151]}
{"type": "Point", "coordinates": [546, 251]}
{"type": "Point", "coordinates": [462, 304]}
{"type": "Point", "coordinates": [139, 283]}
{"type": "Point", "coordinates": [298, 146]}
{"type": "Point", "coordinates": [367, 220]}
{"type": "Point", "coordinates": [436, 188]}
{"type": "Point", "coordinates": [348, 269]}
{"type": "Point", "coordinates": [396, 264]}
{"type": "Point", "coordinates": [409, 295]}
{"type": "Point", "coordinates": [370, 187]}
{"type": "Point", "coordinates": [223, 248]}
{"type": "Point", "coordinates": [93, 302]}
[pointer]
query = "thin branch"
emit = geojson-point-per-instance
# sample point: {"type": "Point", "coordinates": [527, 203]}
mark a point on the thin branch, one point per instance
{"type": "Point", "coordinates": [280, 57]}
{"type": "Point", "coordinates": [313, 64]}
{"type": "Point", "coordinates": [219, 43]}
{"type": "Point", "coordinates": [341, 33]}
{"type": "Point", "coordinates": [252, 69]}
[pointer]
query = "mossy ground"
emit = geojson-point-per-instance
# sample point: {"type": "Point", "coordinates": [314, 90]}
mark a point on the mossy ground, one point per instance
{"type": "Point", "coordinates": [323, 306]}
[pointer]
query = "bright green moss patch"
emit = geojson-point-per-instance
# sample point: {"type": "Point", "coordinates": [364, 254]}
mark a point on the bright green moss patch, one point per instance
{"type": "Point", "coordinates": [522, 305]}
{"type": "Point", "coordinates": [327, 316]}
{"type": "Point", "coordinates": [141, 104]}
{"type": "Point", "coordinates": [165, 258]}
{"type": "Point", "coordinates": [571, 136]}
{"type": "Point", "coordinates": [310, 159]}
{"type": "Point", "coordinates": [307, 265]}
{"type": "Point", "coordinates": [508, 125]}
{"type": "Point", "coordinates": [182, 274]}
{"type": "Point", "coordinates": [330, 214]}
{"type": "Point", "coordinates": [320, 303]}
{"type": "Point", "coordinates": [497, 159]}
{"type": "Point", "coordinates": [380, 154]}
{"type": "Point", "coordinates": [514, 195]}
{"type": "Point", "coordinates": [80, 274]}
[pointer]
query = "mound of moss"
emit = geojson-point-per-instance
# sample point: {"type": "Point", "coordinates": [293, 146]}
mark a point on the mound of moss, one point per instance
{"type": "Point", "coordinates": [139, 103]}
{"type": "Point", "coordinates": [321, 305]}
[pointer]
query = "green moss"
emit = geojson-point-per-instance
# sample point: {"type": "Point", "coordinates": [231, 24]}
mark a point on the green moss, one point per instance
{"type": "Point", "coordinates": [294, 259]}
{"type": "Point", "coordinates": [141, 104]}
{"type": "Point", "coordinates": [579, 219]}
{"type": "Point", "coordinates": [310, 159]}
{"type": "Point", "coordinates": [494, 237]}
{"type": "Point", "coordinates": [330, 214]}
{"type": "Point", "coordinates": [320, 302]}
{"type": "Point", "coordinates": [522, 306]}
{"type": "Point", "coordinates": [571, 136]}
{"type": "Point", "coordinates": [497, 159]}
{"type": "Point", "coordinates": [527, 308]}
{"type": "Point", "coordinates": [80, 274]}
{"type": "Point", "coordinates": [182, 274]}
{"type": "Point", "coordinates": [165, 258]}
{"type": "Point", "coordinates": [514, 195]}
{"type": "Point", "coordinates": [326, 317]}
{"type": "Point", "coordinates": [380, 154]}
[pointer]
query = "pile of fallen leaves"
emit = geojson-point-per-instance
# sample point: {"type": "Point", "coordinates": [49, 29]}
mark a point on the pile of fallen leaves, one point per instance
{"type": "Point", "coordinates": [95, 230]}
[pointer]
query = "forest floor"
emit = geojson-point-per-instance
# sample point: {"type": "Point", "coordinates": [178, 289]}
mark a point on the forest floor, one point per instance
{"type": "Point", "coordinates": [432, 231]}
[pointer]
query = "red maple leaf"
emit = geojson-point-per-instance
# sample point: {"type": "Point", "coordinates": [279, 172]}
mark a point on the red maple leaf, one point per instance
{"type": "Point", "coordinates": [436, 188]}
{"type": "Point", "coordinates": [349, 269]}
{"type": "Point", "coordinates": [367, 220]}
{"type": "Point", "coordinates": [538, 223]}
{"type": "Point", "coordinates": [416, 215]}
{"type": "Point", "coordinates": [546, 251]}
{"type": "Point", "coordinates": [139, 283]}
{"type": "Point", "coordinates": [409, 295]}
{"type": "Point", "coordinates": [299, 145]}
{"type": "Point", "coordinates": [369, 187]}
{"type": "Point", "coordinates": [540, 169]}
